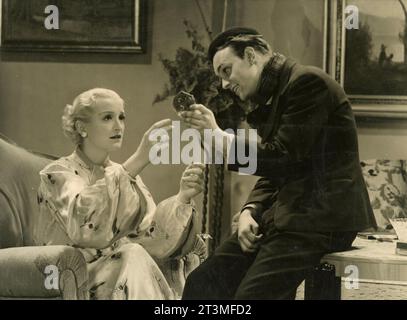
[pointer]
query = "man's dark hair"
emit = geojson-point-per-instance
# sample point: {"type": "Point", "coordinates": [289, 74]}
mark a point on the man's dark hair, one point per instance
{"type": "Point", "coordinates": [238, 39]}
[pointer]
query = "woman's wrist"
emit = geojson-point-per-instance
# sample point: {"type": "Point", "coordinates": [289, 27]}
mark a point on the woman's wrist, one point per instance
{"type": "Point", "coordinates": [135, 164]}
{"type": "Point", "coordinates": [183, 199]}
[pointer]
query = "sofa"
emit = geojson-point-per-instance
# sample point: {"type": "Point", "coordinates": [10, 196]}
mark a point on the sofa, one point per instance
{"type": "Point", "coordinates": [22, 264]}
{"type": "Point", "coordinates": [28, 271]}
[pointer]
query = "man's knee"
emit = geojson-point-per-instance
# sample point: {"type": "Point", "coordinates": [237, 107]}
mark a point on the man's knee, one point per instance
{"type": "Point", "coordinates": [195, 284]}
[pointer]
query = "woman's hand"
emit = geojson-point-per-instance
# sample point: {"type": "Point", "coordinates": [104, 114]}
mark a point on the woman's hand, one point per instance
{"type": "Point", "coordinates": [145, 146]}
{"type": "Point", "coordinates": [191, 182]}
{"type": "Point", "coordinates": [140, 159]}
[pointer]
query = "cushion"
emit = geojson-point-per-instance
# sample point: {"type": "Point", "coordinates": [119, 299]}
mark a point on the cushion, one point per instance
{"type": "Point", "coordinates": [387, 187]}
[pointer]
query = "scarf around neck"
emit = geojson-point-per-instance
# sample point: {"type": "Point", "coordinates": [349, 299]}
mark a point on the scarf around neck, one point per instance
{"type": "Point", "coordinates": [269, 79]}
{"type": "Point", "coordinates": [268, 84]}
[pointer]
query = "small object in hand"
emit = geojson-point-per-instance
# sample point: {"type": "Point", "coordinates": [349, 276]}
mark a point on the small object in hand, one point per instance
{"type": "Point", "coordinates": [183, 101]}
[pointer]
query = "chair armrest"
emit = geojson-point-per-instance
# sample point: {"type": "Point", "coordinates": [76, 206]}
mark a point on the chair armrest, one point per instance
{"type": "Point", "coordinates": [177, 270]}
{"type": "Point", "coordinates": [23, 273]}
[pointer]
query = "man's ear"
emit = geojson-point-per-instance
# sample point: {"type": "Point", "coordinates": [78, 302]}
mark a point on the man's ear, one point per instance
{"type": "Point", "coordinates": [250, 55]}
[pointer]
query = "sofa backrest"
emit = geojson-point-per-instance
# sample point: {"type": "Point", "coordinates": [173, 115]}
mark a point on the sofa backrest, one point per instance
{"type": "Point", "coordinates": [19, 181]}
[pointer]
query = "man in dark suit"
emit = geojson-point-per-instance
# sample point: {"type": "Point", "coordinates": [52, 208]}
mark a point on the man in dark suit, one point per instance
{"type": "Point", "coordinates": [311, 198]}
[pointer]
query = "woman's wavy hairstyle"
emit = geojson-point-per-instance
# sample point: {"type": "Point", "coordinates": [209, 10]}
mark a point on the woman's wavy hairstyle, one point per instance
{"type": "Point", "coordinates": [82, 109]}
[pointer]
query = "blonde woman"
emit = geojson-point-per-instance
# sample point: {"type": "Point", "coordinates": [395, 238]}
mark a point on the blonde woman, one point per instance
{"type": "Point", "coordinates": [102, 207]}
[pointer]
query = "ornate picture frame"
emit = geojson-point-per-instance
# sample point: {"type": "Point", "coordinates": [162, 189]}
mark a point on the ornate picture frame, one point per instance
{"type": "Point", "coordinates": [117, 26]}
{"type": "Point", "coordinates": [369, 61]}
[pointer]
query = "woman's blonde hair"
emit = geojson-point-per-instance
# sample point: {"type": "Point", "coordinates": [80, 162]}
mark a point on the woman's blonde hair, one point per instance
{"type": "Point", "coordinates": [81, 109]}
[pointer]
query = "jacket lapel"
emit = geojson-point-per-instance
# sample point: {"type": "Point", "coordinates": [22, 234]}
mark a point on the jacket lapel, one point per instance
{"type": "Point", "coordinates": [270, 125]}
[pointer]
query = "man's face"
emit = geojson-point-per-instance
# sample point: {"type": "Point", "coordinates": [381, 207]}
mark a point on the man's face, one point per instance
{"type": "Point", "coordinates": [239, 75]}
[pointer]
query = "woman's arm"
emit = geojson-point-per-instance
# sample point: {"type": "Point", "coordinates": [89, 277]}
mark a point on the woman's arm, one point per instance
{"type": "Point", "coordinates": [175, 222]}
{"type": "Point", "coordinates": [140, 159]}
{"type": "Point", "coordinates": [191, 183]}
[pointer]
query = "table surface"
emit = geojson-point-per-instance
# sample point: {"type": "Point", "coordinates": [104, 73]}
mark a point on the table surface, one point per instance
{"type": "Point", "coordinates": [374, 260]}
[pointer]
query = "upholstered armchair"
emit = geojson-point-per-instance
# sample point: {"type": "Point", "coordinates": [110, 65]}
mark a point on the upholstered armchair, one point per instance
{"type": "Point", "coordinates": [25, 270]}
{"type": "Point", "coordinates": [52, 272]}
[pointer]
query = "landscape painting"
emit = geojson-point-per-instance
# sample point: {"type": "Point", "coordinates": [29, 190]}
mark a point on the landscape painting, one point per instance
{"type": "Point", "coordinates": [82, 25]}
{"type": "Point", "coordinates": [375, 54]}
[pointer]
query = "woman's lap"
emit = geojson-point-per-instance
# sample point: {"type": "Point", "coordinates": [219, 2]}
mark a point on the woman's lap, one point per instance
{"type": "Point", "coordinates": [128, 272]}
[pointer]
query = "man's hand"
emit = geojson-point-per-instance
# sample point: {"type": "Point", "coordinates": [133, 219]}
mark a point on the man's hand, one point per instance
{"type": "Point", "coordinates": [248, 232]}
{"type": "Point", "coordinates": [200, 118]}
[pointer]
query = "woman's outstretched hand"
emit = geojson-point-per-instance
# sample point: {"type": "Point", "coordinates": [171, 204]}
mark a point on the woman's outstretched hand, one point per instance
{"type": "Point", "coordinates": [191, 183]}
{"type": "Point", "coordinates": [145, 145]}
{"type": "Point", "coordinates": [140, 159]}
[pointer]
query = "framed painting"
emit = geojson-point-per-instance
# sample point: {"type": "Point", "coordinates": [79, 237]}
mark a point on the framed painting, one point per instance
{"type": "Point", "coordinates": [368, 54]}
{"type": "Point", "coordinates": [73, 26]}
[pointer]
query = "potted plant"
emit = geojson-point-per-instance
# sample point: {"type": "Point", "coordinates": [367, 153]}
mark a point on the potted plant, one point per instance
{"type": "Point", "coordinates": [191, 71]}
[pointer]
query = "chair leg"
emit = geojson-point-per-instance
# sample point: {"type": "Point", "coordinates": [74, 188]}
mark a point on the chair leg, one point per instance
{"type": "Point", "coordinates": [323, 284]}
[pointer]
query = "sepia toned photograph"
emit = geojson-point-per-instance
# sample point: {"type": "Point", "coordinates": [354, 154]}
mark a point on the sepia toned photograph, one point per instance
{"type": "Point", "coordinates": [219, 153]}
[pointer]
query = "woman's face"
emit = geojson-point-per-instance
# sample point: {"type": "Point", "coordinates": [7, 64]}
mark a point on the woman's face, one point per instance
{"type": "Point", "coordinates": [105, 127]}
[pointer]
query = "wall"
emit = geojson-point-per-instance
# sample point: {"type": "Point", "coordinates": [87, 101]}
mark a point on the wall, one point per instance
{"type": "Point", "coordinates": [382, 139]}
{"type": "Point", "coordinates": [34, 88]}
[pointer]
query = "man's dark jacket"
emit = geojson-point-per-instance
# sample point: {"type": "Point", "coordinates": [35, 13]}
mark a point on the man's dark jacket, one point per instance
{"type": "Point", "coordinates": [308, 159]}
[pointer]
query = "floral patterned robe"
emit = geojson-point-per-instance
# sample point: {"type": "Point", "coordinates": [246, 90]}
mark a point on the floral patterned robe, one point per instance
{"type": "Point", "coordinates": [103, 212]}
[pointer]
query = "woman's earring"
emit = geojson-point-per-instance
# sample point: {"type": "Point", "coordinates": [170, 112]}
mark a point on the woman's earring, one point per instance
{"type": "Point", "coordinates": [84, 134]}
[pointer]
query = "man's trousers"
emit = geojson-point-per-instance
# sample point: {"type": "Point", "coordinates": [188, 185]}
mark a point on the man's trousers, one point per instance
{"type": "Point", "coordinates": [275, 271]}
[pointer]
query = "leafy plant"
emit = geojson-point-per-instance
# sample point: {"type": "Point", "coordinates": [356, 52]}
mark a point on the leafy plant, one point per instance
{"type": "Point", "coordinates": [191, 71]}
